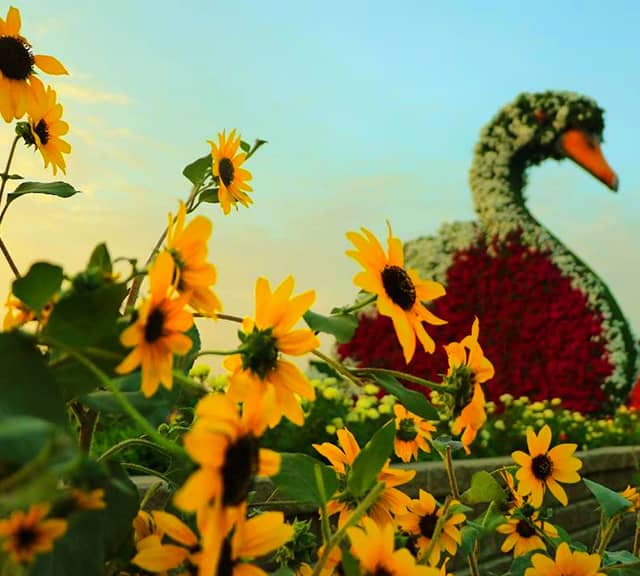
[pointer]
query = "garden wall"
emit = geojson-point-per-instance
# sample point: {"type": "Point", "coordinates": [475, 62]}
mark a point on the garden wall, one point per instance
{"type": "Point", "coordinates": [615, 467]}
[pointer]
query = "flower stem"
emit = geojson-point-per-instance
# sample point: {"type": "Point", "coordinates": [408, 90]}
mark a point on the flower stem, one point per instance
{"type": "Point", "coordinates": [453, 483]}
{"type": "Point", "coordinates": [137, 282]}
{"type": "Point", "coordinates": [219, 352]}
{"type": "Point", "coordinates": [229, 317]}
{"type": "Point", "coordinates": [607, 534]}
{"type": "Point", "coordinates": [148, 471]}
{"type": "Point", "coordinates": [636, 537]}
{"type": "Point", "coordinates": [5, 174]}
{"type": "Point", "coordinates": [352, 521]}
{"type": "Point", "coordinates": [9, 259]}
{"type": "Point", "coordinates": [87, 420]}
{"type": "Point", "coordinates": [107, 383]}
{"type": "Point", "coordinates": [324, 516]}
{"type": "Point", "coordinates": [359, 305]}
{"type": "Point", "coordinates": [339, 368]}
{"type": "Point", "coordinates": [408, 377]}
{"type": "Point", "coordinates": [124, 445]}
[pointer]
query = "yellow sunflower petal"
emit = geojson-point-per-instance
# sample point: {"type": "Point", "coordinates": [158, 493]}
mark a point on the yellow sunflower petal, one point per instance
{"type": "Point", "coordinates": [49, 64]}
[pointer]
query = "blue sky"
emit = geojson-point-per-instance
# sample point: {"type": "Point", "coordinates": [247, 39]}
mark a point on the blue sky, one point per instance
{"type": "Point", "coordinates": [371, 111]}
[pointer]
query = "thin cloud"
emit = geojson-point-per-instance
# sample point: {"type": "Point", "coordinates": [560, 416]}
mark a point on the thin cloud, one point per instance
{"type": "Point", "coordinates": [91, 96]}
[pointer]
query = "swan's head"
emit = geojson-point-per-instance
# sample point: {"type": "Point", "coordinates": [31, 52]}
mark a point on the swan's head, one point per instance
{"type": "Point", "coordinates": [550, 124]}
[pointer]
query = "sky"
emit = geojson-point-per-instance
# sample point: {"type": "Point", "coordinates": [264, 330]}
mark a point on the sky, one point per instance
{"type": "Point", "coordinates": [371, 111]}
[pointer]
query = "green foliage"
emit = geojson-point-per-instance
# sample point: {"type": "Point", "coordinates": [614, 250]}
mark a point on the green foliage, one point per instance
{"type": "Point", "coordinates": [39, 285]}
{"type": "Point", "coordinates": [341, 326]}
{"type": "Point", "coordinates": [196, 171]}
{"type": "Point", "coordinates": [611, 503]}
{"type": "Point", "coordinates": [297, 479]}
{"type": "Point", "coordinates": [60, 189]}
{"type": "Point", "coordinates": [27, 385]}
{"type": "Point", "coordinates": [413, 401]}
{"type": "Point", "coordinates": [484, 488]}
{"type": "Point", "coordinates": [370, 460]}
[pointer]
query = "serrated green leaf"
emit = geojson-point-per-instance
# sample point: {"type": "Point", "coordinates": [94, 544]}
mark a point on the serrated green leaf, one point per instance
{"type": "Point", "coordinates": [85, 318]}
{"type": "Point", "coordinates": [369, 462]}
{"type": "Point", "coordinates": [296, 479]}
{"type": "Point", "coordinates": [611, 503]}
{"type": "Point", "coordinates": [484, 488]}
{"type": "Point", "coordinates": [27, 386]}
{"type": "Point", "coordinates": [38, 286]}
{"type": "Point", "coordinates": [60, 189]}
{"type": "Point", "coordinates": [412, 400]}
{"type": "Point", "coordinates": [342, 326]}
{"type": "Point", "coordinates": [197, 170]}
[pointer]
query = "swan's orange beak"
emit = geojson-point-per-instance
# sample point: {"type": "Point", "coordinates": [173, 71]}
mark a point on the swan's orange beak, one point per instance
{"type": "Point", "coordinates": [584, 150]}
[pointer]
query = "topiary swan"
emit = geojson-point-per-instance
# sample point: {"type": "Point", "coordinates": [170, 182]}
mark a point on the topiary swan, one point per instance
{"type": "Point", "coordinates": [550, 325]}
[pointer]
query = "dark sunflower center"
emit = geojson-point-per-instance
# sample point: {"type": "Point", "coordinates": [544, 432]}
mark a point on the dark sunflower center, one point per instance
{"type": "Point", "coordinates": [16, 59]}
{"type": "Point", "coordinates": [42, 130]}
{"type": "Point", "coordinates": [154, 327]}
{"type": "Point", "coordinates": [240, 466]}
{"type": "Point", "coordinates": [381, 571]}
{"type": "Point", "coordinates": [427, 525]}
{"type": "Point", "coordinates": [25, 538]}
{"type": "Point", "coordinates": [260, 353]}
{"type": "Point", "coordinates": [407, 430]}
{"type": "Point", "coordinates": [226, 171]}
{"type": "Point", "coordinates": [462, 379]}
{"type": "Point", "coordinates": [541, 467]}
{"type": "Point", "coordinates": [399, 287]}
{"type": "Point", "coordinates": [525, 529]}
{"type": "Point", "coordinates": [226, 563]}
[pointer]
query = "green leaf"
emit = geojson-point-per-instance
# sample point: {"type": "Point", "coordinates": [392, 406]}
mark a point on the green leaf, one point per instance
{"type": "Point", "coordinates": [349, 564]}
{"type": "Point", "coordinates": [22, 438]}
{"type": "Point", "coordinates": [521, 563]}
{"type": "Point", "coordinates": [154, 409]}
{"type": "Point", "coordinates": [15, 177]}
{"type": "Point", "coordinates": [342, 326]}
{"type": "Point", "coordinates": [84, 318]}
{"type": "Point", "coordinates": [197, 170]}
{"type": "Point", "coordinates": [27, 386]}
{"type": "Point", "coordinates": [619, 557]}
{"type": "Point", "coordinates": [296, 479]}
{"type": "Point", "coordinates": [100, 259]}
{"type": "Point", "coordinates": [60, 189]}
{"type": "Point", "coordinates": [441, 442]}
{"type": "Point", "coordinates": [368, 463]}
{"type": "Point", "coordinates": [245, 146]}
{"type": "Point", "coordinates": [484, 488]}
{"type": "Point", "coordinates": [39, 285]}
{"type": "Point", "coordinates": [412, 400]}
{"type": "Point", "coordinates": [185, 363]}
{"type": "Point", "coordinates": [611, 503]}
{"type": "Point", "coordinates": [210, 195]}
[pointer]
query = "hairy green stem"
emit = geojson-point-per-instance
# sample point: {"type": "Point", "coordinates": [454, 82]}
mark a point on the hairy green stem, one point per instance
{"type": "Point", "coordinates": [403, 376]}
{"type": "Point", "coordinates": [324, 517]}
{"type": "Point", "coordinates": [339, 368]}
{"type": "Point", "coordinates": [360, 510]}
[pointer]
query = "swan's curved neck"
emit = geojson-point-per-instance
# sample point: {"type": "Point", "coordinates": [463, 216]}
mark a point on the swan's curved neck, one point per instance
{"type": "Point", "coordinates": [497, 180]}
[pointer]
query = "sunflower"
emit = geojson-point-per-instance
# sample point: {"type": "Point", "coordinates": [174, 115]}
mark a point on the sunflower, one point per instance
{"type": "Point", "coordinates": [152, 554]}
{"type": "Point", "coordinates": [390, 501]}
{"type": "Point", "coordinates": [522, 536]}
{"type": "Point", "coordinates": [259, 376]}
{"type": "Point", "coordinates": [188, 248]}
{"type": "Point", "coordinates": [252, 538]}
{"type": "Point", "coordinates": [158, 332]}
{"type": "Point", "coordinates": [412, 433]}
{"type": "Point", "coordinates": [18, 314]}
{"type": "Point", "coordinates": [46, 127]}
{"type": "Point", "coordinates": [567, 563]}
{"type": "Point", "coordinates": [17, 63]}
{"type": "Point", "coordinates": [373, 546]}
{"type": "Point", "coordinates": [226, 166]}
{"type": "Point", "coordinates": [543, 468]}
{"type": "Point", "coordinates": [26, 535]}
{"type": "Point", "coordinates": [89, 500]}
{"type": "Point", "coordinates": [631, 493]}
{"type": "Point", "coordinates": [420, 524]}
{"type": "Point", "coordinates": [226, 446]}
{"type": "Point", "coordinates": [468, 369]}
{"type": "Point", "coordinates": [400, 292]}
